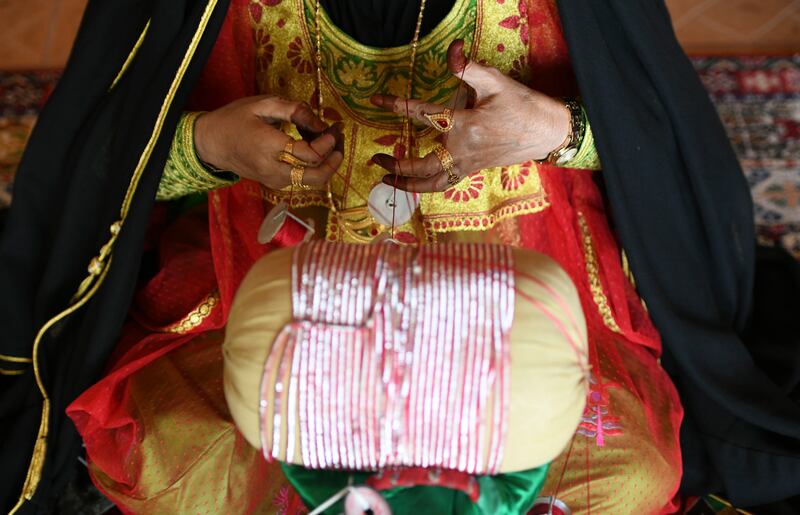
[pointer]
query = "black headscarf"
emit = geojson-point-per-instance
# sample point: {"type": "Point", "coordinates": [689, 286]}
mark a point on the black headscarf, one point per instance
{"type": "Point", "coordinates": [683, 212]}
{"type": "Point", "coordinates": [67, 193]}
{"type": "Point", "coordinates": [677, 195]}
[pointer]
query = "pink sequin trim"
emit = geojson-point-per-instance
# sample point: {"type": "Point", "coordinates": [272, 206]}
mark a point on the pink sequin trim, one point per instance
{"type": "Point", "coordinates": [393, 358]}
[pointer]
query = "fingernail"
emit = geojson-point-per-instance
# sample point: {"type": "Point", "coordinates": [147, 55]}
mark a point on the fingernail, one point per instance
{"type": "Point", "coordinates": [376, 100]}
{"type": "Point", "coordinates": [382, 160]}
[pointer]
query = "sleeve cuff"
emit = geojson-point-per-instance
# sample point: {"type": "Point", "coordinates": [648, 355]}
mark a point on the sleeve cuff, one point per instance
{"type": "Point", "coordinates": [184, 173]}
{"type": "Point", "coordinates": [587, 157]}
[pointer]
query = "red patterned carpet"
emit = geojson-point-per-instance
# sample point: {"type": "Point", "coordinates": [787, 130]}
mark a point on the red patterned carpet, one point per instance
{"type": "Point", "coordinates": [21, 97]}
{"type": "Point", "coordinates": [758, 99]}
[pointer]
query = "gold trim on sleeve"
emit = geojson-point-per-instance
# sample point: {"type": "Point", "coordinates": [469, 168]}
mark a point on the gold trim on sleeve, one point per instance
{"type": "Point", "coordinates": [593, 272]}
{"type": "Point", "coordinates": [184, 173]}
{"type": "Point", "coordinates": [100, 265]}
{"type": "Point", "coordinates": [196, 316]}
{"type": "Point", "coordinates": [131, 55]}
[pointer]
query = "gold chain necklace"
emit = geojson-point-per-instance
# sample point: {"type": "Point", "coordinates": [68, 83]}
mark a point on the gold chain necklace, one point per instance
{"type": "Point", "coordinates": [411, 64]}
{"type": "Point", "coordinates": [407, 125]}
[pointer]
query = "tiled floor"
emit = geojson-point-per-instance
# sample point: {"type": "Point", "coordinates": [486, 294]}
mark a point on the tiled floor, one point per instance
{"type": "Point", "coordinates": [731, 26]}
{"type": "Point", "coordinates": [39, 33]}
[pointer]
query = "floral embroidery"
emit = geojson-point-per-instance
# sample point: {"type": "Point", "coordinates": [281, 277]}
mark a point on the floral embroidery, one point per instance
{"type": "Point", "coordinates": [513, 177]}
{"type": "Point", "coordinates": [468, 189]}
{"type": "Point", "coordinates": [288, 502]}
{"type": "Point", "coordinates": [352, 75]}
{"type": "Point", "coordinates": [296, 58]}
{"type": "Point", "coordinates": [396, 142]}
{"type": "Point", "coordinates": [434, 65]}
{"type": "Point", "coordinates": [596, 422]}
{"type": "Point", "coordinates": [519, 69]}
{"type": "Point", "coordinates": [356, 73]}
{"type": "Point", "coordinates": [257, 8]}
{"type": "Point", "coordinates": [518, 21]}
{"type": "Point", "coordinates": [266, 50]}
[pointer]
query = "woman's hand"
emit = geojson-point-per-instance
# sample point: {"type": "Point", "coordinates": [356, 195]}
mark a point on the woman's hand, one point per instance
{"type": "Point", "coordinates": [244, 137]}
{"type": "Point", "coordinates": [508, 124]}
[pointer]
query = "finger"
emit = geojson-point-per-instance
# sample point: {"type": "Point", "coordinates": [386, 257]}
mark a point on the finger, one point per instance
{"type": "Point", "coordinates": [425, 167]}
{"type": "Point", "coordinates": [317, 177]}
{"type": "Point", "coordinates": [415, 109]}
{"type": "Point", "coordinates": [411, 107]}
{"type": "Point", "coordinates": [483, 79]}
{"type": "Point", "coordinates": [273, 109]}
{"type": "Point", "coordinates": [316, 151]}
{"type": "Point", "coordinates": [415, 184]}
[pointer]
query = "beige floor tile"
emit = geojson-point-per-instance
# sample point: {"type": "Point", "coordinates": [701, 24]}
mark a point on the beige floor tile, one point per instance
{"type": "Point", "coordinates": [65, 27]}
{"type": "Point", "coordinates": [25, 32]}
{"type": "Point", "coordinates": [748, 18]}
{"type": "Point", "coordinates": [730, 26]}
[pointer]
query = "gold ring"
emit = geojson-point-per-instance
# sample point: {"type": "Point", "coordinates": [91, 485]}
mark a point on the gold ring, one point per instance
{"type": "Point", "coordinates": [297, 178]}
{"type": "Point", "coordinates": [447, 164]}
{"type": "Point", "coordinates": [442, 122]}
{"type": "Point", "coordinates": [287, 156]}
{"type": "Point", "coordinates": [292, 160]}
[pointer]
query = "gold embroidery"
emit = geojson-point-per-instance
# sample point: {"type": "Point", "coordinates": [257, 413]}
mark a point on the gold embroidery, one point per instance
{"type": "Point", "coordinates": [184, 173]}
{"type": "Point", "coordinates": [626, 268]}
{"type": "Point", "coordinates": [196, 316]}
{"type": "Point", "coordinates": [353, 72]}
{"type": "Point", "coordinates": [39, 449]}
{"type": "Point", "coordinates": [131, 55]}
{"type": "Point", "coordinates": [5, 372]}
{"type": "Point", "coordinates": [593, 272]}
{"type": "Point", "coordinates": [731, 508]}
{"type": "Point", "coordinates": [37, 459]}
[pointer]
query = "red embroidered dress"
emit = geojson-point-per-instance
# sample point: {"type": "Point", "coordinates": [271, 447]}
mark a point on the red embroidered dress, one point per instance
{"type": "Point", "coordinates": [157, 432]}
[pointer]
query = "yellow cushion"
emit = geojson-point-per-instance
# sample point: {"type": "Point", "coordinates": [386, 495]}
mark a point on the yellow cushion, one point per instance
{"type": "Point", "coordinates": [548, 377]}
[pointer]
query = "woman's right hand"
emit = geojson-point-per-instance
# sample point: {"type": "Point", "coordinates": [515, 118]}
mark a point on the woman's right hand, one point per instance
{"type": "Point", "coordinates": [244, 137]}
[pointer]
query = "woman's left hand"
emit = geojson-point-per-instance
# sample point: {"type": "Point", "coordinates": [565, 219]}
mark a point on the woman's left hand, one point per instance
{"type": "Point", "coordinates": [508, 124]}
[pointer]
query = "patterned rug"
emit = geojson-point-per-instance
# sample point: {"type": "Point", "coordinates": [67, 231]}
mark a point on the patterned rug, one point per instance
{"type": "Point", "coordinates": [758, 99]}
{"type": "Point", "coordinates": [21, 97]}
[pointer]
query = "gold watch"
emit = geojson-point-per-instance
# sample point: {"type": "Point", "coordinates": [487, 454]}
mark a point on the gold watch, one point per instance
{"type": "Point", "coordinates": [577, 127]}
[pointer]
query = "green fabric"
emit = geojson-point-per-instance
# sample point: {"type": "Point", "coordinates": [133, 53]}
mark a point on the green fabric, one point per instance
{"type": "Point", "coordinates": [503, 494]}
{"type": "Point", "coordinates": [587, 157]}
{"type": "Point", "coordinates": [184, 173]}
{"type": "Point", "coordinates": [357, 71]}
